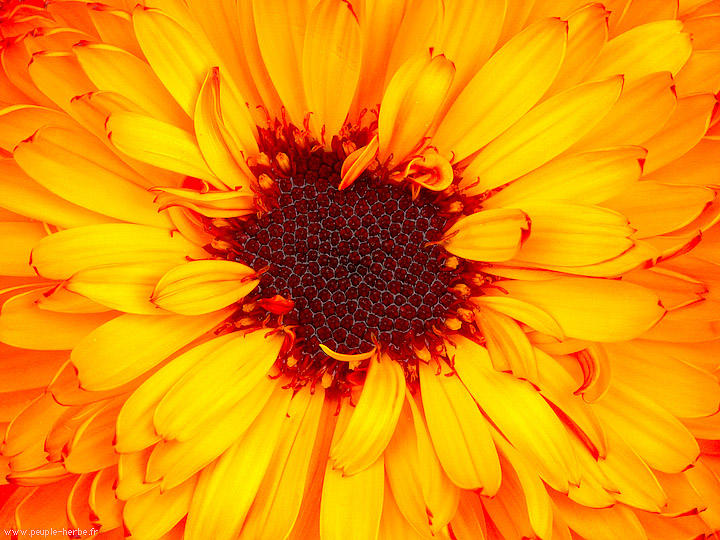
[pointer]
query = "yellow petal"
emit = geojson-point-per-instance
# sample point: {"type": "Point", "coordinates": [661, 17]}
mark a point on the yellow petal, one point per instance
{"type": "Point", "coordinates": [683, 130]}
{"type": "Point", "coordinates": [700, 74]}
{"type": "Point", "coordinates": [639, 12]}
{"type": "Point", "coordinates": [219, 117]}
{"type": "Point", "coordinates": [469, 521]}
{"type": "Point", "coordinates": [200, 287]}
{"type": "Point", "coordinates": [620, 311]}
{"type": "Point", "coordinates": [524, 312]}
{"type": "Point", "coordinates": [331, 57]}
{"type": "Point", "coordinates": [65, 253]}
{"type": "Point", "coordinates": [410, 105]}
{"type": "Point", "coordinates": [211, 204]}
{"type": "Point", "coordinates": [424, 494]}
{"type": "Point", "coordinates": [587, 35]}
{"type": "Point", "coordinates": [90, 446]}
{"type": "Point", "coordinates": [589, 178]}
{"type": "Point", "coordinates": [507, 344]}
{"type": "Point", "coordinates": [115, 27]}
{"type": "Point", "coordinates": [18, 122]}
{"type": "Point", "coordinates": [233, 371]}
{"type": "Point", "coordinates": [177, 57]}
{"type": "Point", "coordinates": [23, 195]}
{"type": "Point", "coordinates": [558, 387]}
{"type": "Point", "coordinates": [116, 70]}
{"type": "Point", "coordinates": [79, 168]}
{"type": "Point", "coordinates": [135, 429]}
{"type": "Point", "coordinates": [160, 144]}
{"type": "Point", "coordinates": [526, 490]}
{"type": "Point", "coordinates": [541, 134]}
{"type": "Point", "coordinates": [102, 501]}
{"type": "Point", "coordinates": [657, 436]}
{"type": "Point", "coordinates": [654, 208]}
{"type": "Point", "coordinates": [373, 420]}
{"type": "Point", "coordinates": [393, 525]}
{"type": "Point", "coordinates": [21, 317]}
{"type": "Point", "coordinates": [468, 36]}
{"type": "Point", "coordinates": [535, 432]}
{"type": "Point", "coordinates": [59, 76]}
{"type": "Point", "coordinates": [173, 462]}
{"type": "Point", "coordinates": [356, 499]}
{"type": "Point", "coordinates": [126, 287]}
{"type": "Point", "coordinates": [567, 234]}
{"type": "Point", "coordinates": [16, 241]}
{"type": "Point", "coordinates": [459, 432]}
{"type": "Point", "coordinates": [599, 523]}
{"type": "Point", "coordinates": [133, 344]}
{"type": "Point", "coordinates": [648, 101]}
{"type": "Point", "coordinates": [681, 388]}
{"type": "Point", "coordinates": [504, 89]}
{"type": "Point", "coordinates": [226, 489]}
{"type": "Point", "coordinates": [488, 235]}
{"type": "Point", "coordinates": [632, 481]}
{"type": "Point", "coordinates": [280, 27]}
{"type": "Point", "coordinates": [279, 497]}
{"type": "Point", "coordinates": [652, 47]}
{"type": "Point", "coordinates": [154, 513]}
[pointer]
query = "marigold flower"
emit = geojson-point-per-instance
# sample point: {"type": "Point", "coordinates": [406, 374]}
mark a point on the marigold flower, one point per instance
{"type": "Point", "coordinates": [361, 270]}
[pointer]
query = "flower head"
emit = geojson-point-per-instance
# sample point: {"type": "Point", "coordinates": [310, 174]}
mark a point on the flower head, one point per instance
{"type": "Point", "coordinates": [344, 269]}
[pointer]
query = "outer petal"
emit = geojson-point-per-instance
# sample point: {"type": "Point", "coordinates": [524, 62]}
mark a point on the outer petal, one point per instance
{"type": "Point", "coordinates": [331, 64]}
{"type": "Point", "coordinates": [133, 344]}
{"type": "Point", "coordinates": [589, 177]}
{"type": "Point", "coordinates": [504, 89]}
{"type": "Point", "coordinates": [232, 371]}
{"type": "Point", "coordinates": [657, 436]}
{"type": "Point", "coordinates": [119, 71]}
{"type": "Point", "coordinates": [620, 311]}
{"type": "Point", "coordinates": [373, 420]}
{"type": "Point", "coordinates": [541, 134]}
{"type": "Point", "coordinates": [536, 432]}
{"type": "Point", "coordinates": [279, 496]}
{"type": "Point", "coordinates": [177, 57]}
{"type": "Point", "coordinates": [565, 234]}
{"type": "Point", "coordinates": [65, 253]}
{"type": "Point", "coordinates": [76, 166]}
{"type": "Point", "coordinates": [160, 144]}
{"type": "Point", "coordinates": [460, 433]}
{"type": "Point", "coordinates": [226, 489]}
{"type": "Point", "coordinates": [652, 47]}
{"type": "Point", "coordinates": [280, 26]}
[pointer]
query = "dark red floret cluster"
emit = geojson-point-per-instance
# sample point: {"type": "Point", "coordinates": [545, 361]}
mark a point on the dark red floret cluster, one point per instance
{"type": "Point", "coordinates": [354, 262]}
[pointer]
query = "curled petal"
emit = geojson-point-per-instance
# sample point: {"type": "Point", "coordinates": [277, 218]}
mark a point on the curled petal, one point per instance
{"type": "Point", "coordinates": [430, 170]}
{"type": "Point", "coordinates": [357, 162]}
{"type": "Point", "coordinates": [216, 204]}
{"type": "Point", "coordinates": [490, 235]}
{"type": "Point", "coordinates": [353, 358]}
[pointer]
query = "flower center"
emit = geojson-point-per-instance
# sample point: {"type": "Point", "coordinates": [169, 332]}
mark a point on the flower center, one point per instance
{"type": "Point", "coordinates": [349, 269]}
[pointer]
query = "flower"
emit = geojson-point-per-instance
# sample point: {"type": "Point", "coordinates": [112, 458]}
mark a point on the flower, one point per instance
{"type": "Point", "coordinates": [345, 269]}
